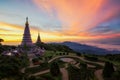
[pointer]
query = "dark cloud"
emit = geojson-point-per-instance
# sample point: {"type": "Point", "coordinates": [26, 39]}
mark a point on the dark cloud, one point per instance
{"type": "Point", "coordinates": [111, 5]}
{"type": "Point", "coordinates": [113, 41]}
{"type": "Point", "coordinates": [115, 2]}
{"type": "Point", "coordinates": [100, 30]}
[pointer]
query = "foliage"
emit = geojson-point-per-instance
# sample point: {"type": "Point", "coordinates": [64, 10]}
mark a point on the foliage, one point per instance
{"type": "Point", "coordinates": [32, 78]}
{"type": "Point", "coordinates": [80, 74]}
{"type": "Point", "coordinates": [1, 40]}
{"type": "Point", "coordinates": [85, 73]}
{"type": "Point", "coordinates": [9, 66]}
{"type": "Point", "coordinates": [24, 60]}
{"type": "Point", "coordinates": [48, 76]}
{"type": "Point", "coordinates": [6, 47]}
{"type": "Point", "coordinates": [113, 57]}
{"type": "Point", "coordinates": [108, 70]}
{"type": "Point", "coordinates": [55, 47]}
{"type": "Point", "coordinates": [54, 69]}
{"type": "Point", "coordinates": [74, 73]}
{"type": "Point", "coordinates": [41, 67]}
{"type": "Point", "coordinates": [35, 60]}
{"type": "Point", "coordinates": [91, 58]}
{"type": "Point", "coordinates": [78, 53]}
{"type": "Point", "coordinates": [83, 65]}
{"type": "Point", "coordinates": [116, 75]}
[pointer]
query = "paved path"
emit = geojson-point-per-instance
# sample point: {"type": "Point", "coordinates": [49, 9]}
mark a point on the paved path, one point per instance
{"type": "Point", "coordinates": [64, 72]}
{"type": "Point", "coordinates": [23, 70]}
{"type": "Point", "coordinates": [98, 74]}
{"type": "Point", "coordinates": [81, 58]}
{"type": "Point", "coordinates": [77, 65]}
{"type": "Point", "coordinates": [31, 64]}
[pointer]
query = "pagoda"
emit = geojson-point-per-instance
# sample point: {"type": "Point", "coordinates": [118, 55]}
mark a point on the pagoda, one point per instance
{"type": "Point", "coordinates": [38, 39]}
{"type": "Point", "coordinates": [27, 36]}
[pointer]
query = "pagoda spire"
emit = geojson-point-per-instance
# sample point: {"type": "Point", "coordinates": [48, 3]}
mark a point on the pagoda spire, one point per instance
{"type": "Point", "coordinates": [26, 21]}
{"type": "Point", "coordinates": [26, 36]}
{"type": "Point", "coordinates": [38, 38]}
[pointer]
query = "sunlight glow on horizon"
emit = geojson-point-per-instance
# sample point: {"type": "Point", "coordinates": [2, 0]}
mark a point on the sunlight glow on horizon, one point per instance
{"type": "Point", "coordinates": [61, 20]}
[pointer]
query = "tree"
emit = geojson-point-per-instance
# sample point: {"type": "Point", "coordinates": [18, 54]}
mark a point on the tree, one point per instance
{"type": "Point", "coordinates": [54, 69]}
{"type": "Point", "coordinates": [85, 73]}
{"type": "Point", "coordinates": [1, 40]}
{"type": "Point", "coordinates": [80, 74]}
{"type": "Point", "coordinates": [116, 75]}
{"type": "Point", "coordinates": [9, 66]}
{"type": "Point", "coordinates": [32, 78]}
{"type": "Point", "coordinates": [108, 70]}
{"type": "Point", "coordinates": [78, 54]}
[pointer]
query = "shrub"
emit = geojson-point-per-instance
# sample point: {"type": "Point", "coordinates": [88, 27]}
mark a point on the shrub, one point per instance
{"type": "Point", "coordinates": [108, 70]}
{"type": "Point", "coordinates": [54, 69]}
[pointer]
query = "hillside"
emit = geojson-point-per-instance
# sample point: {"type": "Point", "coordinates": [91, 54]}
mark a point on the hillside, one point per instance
{"type": "Point", "coordinates": [82, 48]}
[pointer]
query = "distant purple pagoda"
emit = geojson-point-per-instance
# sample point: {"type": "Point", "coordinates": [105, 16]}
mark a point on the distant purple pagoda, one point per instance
{"type": "Point", "coordinates": [38, 39]}
{"type": "Point", "coordinates": [27, 36]}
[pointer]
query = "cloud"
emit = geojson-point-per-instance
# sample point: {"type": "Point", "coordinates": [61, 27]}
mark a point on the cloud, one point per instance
{"type": "Point", "coordinates": [13, 33]}
{"type": "Point", "coordinates": [79, 15]}
{"type": "Point", "coordinates": [8, 14]}
{"type": "Point", "coordinates": [100, 30]}
{"type": "Point", "coordinates": [84, 19]}
{"type": "Point", "coordinates": [113, 41]}
{"type": "Point", "coordinates": [76, 20]}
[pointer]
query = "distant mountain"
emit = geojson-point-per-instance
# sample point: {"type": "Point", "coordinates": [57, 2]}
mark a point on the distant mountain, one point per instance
{"type": "Point", "coordinates": [82, 48]}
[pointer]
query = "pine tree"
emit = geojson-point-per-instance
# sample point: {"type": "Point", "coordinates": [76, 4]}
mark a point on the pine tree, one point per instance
{"type": "Point", "coordinates": [54, 69]}
{"type": "Point", "coordinates": [108, 70]}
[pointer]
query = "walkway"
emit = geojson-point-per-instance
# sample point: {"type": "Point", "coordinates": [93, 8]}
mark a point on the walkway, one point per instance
{"type": "Point", "coordinates": [63, 71]}
{"type": "Point", "coordinates": [64, 74]}
{"type": "Point", "coordinates": [98, 73]}
{"type": "Point", "coordinates": [81, 58]}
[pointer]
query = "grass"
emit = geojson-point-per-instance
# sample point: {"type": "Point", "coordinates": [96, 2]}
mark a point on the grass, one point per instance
{"type": "Point", "coordinates": [60, 63]}
{"type": "Point", "coordinates": [97, 66]}
{"type": "Point", "coordinates": [37, 69]}
{"type": "Point", "coordinates": [57, 53]}
{"type": "Point", "coordinates": [116, 63]}
{"type": "Point", "coordinates": [49, 53]}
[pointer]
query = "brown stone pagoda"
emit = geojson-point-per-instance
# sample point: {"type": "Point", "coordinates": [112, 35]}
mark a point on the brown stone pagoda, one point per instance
{"type": "Point", "coordinates": [27, 36]}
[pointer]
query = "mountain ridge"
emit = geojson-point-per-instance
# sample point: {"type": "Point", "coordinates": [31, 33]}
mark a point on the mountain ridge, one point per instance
{"type": "Point", "coordinates": [83, 48]}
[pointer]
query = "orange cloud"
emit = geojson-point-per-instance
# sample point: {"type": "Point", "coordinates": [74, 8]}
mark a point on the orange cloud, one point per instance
{"type": "Point", "coordinates": [12, 34]}
{"type": "Point", "coordinates": [77, 15]}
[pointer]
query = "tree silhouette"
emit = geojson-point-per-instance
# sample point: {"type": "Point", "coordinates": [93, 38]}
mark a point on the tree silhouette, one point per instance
{"type": "Point", "coordinates": [108, 70]}
{"type": "Point", "coordinates": [1, 40]}
{"type": "Point", "coordinates": [54, 69]}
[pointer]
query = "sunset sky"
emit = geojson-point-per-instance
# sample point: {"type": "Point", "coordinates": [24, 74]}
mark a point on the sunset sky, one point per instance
{"type": "Point", "coordinates": [94, 22]}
